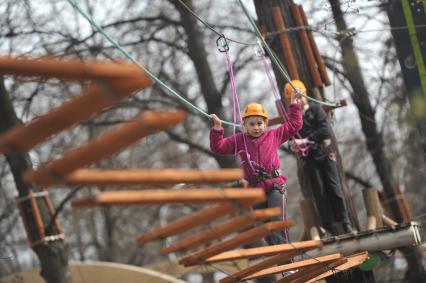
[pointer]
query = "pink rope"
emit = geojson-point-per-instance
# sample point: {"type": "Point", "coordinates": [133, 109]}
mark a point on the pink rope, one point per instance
{"type": "Point", "coordinates": [303, 149]}
{"type": "Point", "coordinates": [236, 106]}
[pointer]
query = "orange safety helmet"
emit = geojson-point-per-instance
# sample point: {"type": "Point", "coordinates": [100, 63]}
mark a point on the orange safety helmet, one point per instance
{"type": "Point", "coordinates": [255, 109]}
{"type": "Point", "coordinates": [288, 89]}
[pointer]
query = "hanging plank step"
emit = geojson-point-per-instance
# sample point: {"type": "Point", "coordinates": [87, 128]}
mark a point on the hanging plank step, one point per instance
{"type": "Point", "coordinates": [234, 225]}
{"type": "Point", "coordinates": [276, 259]}
{"type": "Point", "coordinates": [353, 260]}
{"type": "Point", "coordinates": [246, 237]}
{"type": "Point", "coordinates": [171, 196]}
{"type": "Point", "coordinates": [94, 99]}
{"type": "Point", "coordinates": [68, 69]}
{"type": "Point", "coordinates": [299, 265]}
{"type": "Point", "coordinates": [117, 139]}
{"type": "Point", "coordinates": [305, 274]}
{"type": "Point", "coordinates": [86, 177]}
{"type": "Point", "coordinates": [265, 251]}
{"type": "Point", "coordinates": [195, 219]}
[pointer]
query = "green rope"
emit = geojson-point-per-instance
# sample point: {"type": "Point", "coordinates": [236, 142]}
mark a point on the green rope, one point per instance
{"type": "Point", "coordinates": [151, 75]}
{"type": "Point", "coordinates": [275, 60]}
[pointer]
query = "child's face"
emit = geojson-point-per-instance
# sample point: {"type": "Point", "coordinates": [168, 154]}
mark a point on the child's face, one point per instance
{"type": "Point", "coordinates": [255, 125]}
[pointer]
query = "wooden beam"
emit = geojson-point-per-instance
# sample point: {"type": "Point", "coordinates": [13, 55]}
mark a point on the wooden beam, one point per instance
{"type": "Point", "coordinates": [285, 43]}
{"type": "Point", "coordinates": [117, 139]}
{"type": "Point", "coordinates": [353, 260]}
{"type": "Point", "coordinates": [89, 177]}
{"type": "Point", "coordinates": [68, 69]}
{"type": "Point", "coordinates": [95, 98]}
{"type": "Point", "coordinates": [310, 272]}
{"type": "Point", "coordinates": [190, 221]}
{"type": "Point", "coordinates": [372, 204]}
{"type": "Point", "coordinates": [304, 41]}
{"type": "Point", "coordinates": [239, 240]}
{"type": "Point", "coordinates": [233, 225]}
{"type": "Point", "coordinates": [265, 251]}
{"type": "Point", "coordinates": [173, 196]}
{"type": "Point", "coordinates": [318, 58]}
{"type": "Point", "coordinates": [238, 276]}
{"type": "Point", "coordinates": [294, 266]}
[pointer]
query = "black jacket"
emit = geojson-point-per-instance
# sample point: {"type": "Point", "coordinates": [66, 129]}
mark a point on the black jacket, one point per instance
{"type": "Point", "coordinates": [316, 129]}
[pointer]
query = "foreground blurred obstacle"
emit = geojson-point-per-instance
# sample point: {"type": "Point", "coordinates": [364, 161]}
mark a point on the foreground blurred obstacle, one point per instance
{"type": "Point", "coordinates": [113, 82]}
{"type": "Point", "coordinates": [151, 176]}
{"type": "Point", "coordinates": [147, 123]}
{"type": "Point", "coordinates": [238, 196]}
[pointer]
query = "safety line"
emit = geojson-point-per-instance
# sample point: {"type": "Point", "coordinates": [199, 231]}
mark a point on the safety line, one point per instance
{"type": "Point", "coordinates": [128, 56]}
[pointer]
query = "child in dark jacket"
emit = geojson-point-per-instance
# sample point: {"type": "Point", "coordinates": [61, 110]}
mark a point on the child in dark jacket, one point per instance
{"type": "Point", "coordinates": [257, 148]}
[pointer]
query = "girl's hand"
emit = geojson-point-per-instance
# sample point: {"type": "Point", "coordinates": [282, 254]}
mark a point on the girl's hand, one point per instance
{"type": "Point", "coordinates": [216, 121]}
{"type": "Point", "coordinates": [296, 97]}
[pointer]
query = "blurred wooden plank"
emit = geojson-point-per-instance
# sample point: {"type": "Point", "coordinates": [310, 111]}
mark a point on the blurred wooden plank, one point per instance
{"type": "Point", "coordinates": [233, 225]}
{"type": "Point", "coordinates": [353, 260]}
{"type": "Point", "coordinates": [89, 177]}
{"type": "Point", "coordinates": [265, 251]}
{"type": "Point", "coordinates": [117, 139]}
{"type": "Point", "coordinates": [94, 99]}
{"type": "Point", "coordinates": [68, 69]}
{"type": "Point", "coordinates": [310, 272]}
{"type": "Point", "coordinates": [294, 266]}
{"type": "Point", "coordinates": [173, 196]}
{"type": "Point", "coordinates": [190, 221]}
{"type": "Point", "coordinates": [279, 258]}
{"type": "Point", "coordinates": [239, 240]}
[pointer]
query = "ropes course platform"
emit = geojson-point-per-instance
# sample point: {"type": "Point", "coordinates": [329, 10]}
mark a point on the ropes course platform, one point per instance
{"type": "Point", "coordinates": [229, 223]}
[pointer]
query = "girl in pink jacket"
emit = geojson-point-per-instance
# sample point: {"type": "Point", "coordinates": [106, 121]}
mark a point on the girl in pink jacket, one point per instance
{"type": "Point", "coordinates": [257, 148]}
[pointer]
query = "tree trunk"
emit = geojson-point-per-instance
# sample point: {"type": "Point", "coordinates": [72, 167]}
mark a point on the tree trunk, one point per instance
{"type": "Point", "coordinates": [198, 55]}
{"type": "Point", "coordinates": [374, 139]}
{"type": "Point", "coordinates": [53, 256]}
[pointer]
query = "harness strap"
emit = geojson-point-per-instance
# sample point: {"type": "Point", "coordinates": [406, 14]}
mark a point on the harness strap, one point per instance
{"type": "Point", "coordinates": [263, 176]}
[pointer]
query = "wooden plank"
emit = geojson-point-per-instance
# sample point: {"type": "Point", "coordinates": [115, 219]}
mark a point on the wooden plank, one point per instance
{"type": "Point", "coordinates": [279, 258]}
{"type": "Point", "coordinates": [285, 43]}
{"type": "Point", "coordinates": [233, 225]}
{"type": "Point", "coordinates": [304, 41]}
{"type": "Point", "coordinates": [294, 266]}
{"type": "Point", "coordinates": [265, 251]}
{"type": "Point", "coordinates": [318, 58]}
{"type": "Point", "coordinates": [353, 260]}
{"type": "Point", "coordinates": [307, 273]}
{"type": "Point", "coordinates": [173, 196]}
{"type": "Point", "coordinates": [91, 177]}
{"type": "Point", "coordinates": [94, 99]}
{"type": "Point", "coordinates": [190, 221]}
{"type": "Point", "coordinates": [117, 139]}
{"type": "Point", "coordinates": [68, 69]}
{"type": "Point", "coordinates": [239, 240]}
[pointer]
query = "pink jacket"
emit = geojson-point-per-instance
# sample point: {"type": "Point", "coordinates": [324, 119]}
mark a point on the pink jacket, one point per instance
{"type": "Point", "coordinates": [263, 152]}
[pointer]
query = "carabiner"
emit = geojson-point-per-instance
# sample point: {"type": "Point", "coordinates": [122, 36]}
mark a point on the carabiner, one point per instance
{"type": "Point", "coordinates": [222, 44]}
